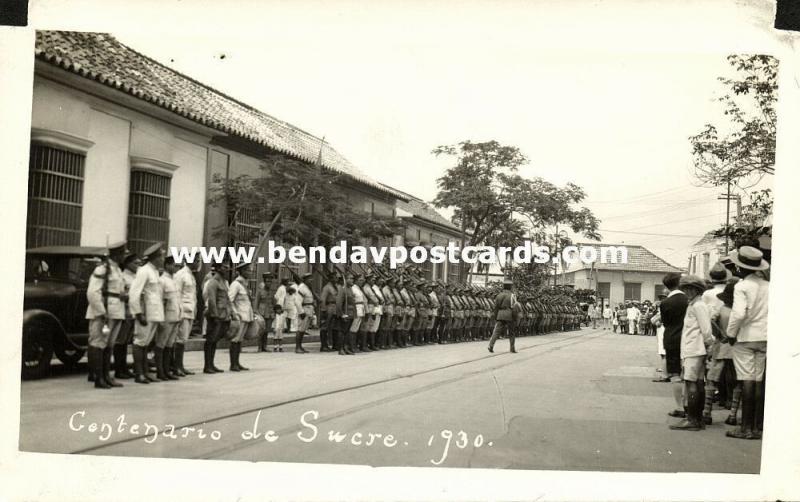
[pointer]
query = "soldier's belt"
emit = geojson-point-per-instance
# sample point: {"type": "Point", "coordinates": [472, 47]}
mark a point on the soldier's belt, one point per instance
{"type": "Point", "coordinates": [113, 295]}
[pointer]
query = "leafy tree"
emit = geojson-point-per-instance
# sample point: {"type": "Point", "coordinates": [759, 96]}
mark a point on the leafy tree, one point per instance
{"type": "Point", "coordinates": [493, 204]}
{"type": "Point", "coordinates": [742, 150]}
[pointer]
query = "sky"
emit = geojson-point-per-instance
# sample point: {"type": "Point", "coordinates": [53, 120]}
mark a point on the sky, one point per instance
{"type": "Point", "coordinates": [601, 94]}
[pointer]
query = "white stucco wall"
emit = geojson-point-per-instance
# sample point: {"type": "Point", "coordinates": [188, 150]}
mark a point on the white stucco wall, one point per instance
{"type": "Point", "coordinates": [107, 180]}
{"type": "Point", "coordinates": [187, 203]}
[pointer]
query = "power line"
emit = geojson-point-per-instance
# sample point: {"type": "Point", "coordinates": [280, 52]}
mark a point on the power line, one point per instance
{"type": "Point", "coordinates": [669, 208]}
{"type": "Point", "coordinates": [678, 221]}
{"type": "Point", "coordinates": [642, 196]}
{"type": "Point", "coordinates": [646, 233]}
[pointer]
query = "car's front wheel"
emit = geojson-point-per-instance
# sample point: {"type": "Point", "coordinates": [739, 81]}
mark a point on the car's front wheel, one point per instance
{"type": "Point", "coordinates": [37, 352]}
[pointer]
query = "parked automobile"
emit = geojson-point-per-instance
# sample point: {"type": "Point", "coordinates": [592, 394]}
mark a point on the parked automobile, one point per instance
{"type": "Point", "coordinates": [53, 321]}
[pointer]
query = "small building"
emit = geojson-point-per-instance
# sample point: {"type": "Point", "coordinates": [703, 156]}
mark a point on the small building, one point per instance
{"type": "Point", "coordinates": [705, 253]}
{"type": "Point", "coordinates": [638, 279]}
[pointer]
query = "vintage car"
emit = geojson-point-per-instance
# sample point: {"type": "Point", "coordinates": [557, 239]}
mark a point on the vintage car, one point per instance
{"type": "Point", "coordinates": [54, 317]}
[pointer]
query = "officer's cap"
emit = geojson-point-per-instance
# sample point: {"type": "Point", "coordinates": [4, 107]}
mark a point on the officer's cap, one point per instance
{"type": "Point", "coordinates": [129, 257]}
{"type": "Point", "coordinates": [153, 251]}
{"type": "Point", "coordinates": [117, 247]}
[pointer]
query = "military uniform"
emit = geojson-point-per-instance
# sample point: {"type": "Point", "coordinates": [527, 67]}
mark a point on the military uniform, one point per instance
{"type": "Point", "coordinates": [125, 334]}
{"type": "Point", "coordinates": [504, 305]}
{"type": "Point", "coordinates": [329, 325]}
{"type": "Point", "coordinates": [187, 294]}
{"type": "Point", "coordinates": [106, 312]}
{"type": "Point", "coordinates": [218, 315]}
{"type": "Point", "coordinates": [306, 312]}
{"type": "Point", "coordinates": [147, 305]}
{"type": "Point", "coordinates": [242, 312]}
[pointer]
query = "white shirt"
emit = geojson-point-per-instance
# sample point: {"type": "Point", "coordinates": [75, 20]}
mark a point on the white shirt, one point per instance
{"type": "Point", "coordinates": [633, 314]}
{"type": "Point", "coordinates": [711, 300]}
{"type": "Point", "coordinates": [696, 335]}
{"type": "Point", "coordinates": [748, 322]}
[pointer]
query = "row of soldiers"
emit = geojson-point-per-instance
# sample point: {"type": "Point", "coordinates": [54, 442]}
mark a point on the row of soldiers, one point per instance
{"type": "Point", "coordinates": [151, 303]}
{"type": "Point", "coordinates": [375, 309]}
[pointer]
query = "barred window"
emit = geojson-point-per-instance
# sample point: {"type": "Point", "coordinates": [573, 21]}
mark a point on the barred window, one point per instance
{"type": "Point", "coordinates": [246, 235]}
{"type": "Point", "coordinates": [633, 291]}
{"type": "Point", "coordinates": [55, 197]}
{"type": "Point", "coordinates": [453, 271]}
{"type": "Point", "coordinates": [148, 209]}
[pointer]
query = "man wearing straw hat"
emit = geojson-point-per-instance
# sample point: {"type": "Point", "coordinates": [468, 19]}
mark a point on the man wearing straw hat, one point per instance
{"type": "Point", "coordinates": [748, 327]}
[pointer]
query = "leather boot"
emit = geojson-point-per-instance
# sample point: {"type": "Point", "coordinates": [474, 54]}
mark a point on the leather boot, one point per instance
{"type": "Point", "coordinates": [371, 341]}
{"type": "Point", "coordinates": [207, 364]}
{"type": "Point", "coordinates": [121, 362]}
{"type": "Point", "coordinates": [138, 365]}
{"type": "Point", "coordinates": [512, 339]}
{"type": "Point", "coordinates": [300, 337]}
{"type": "Point", "coordinates": [168, 364]}
{"type": "Point", "coordinates": [94, 355]}
{"type": "Point", "coordinates": [213, 355]}
{"type": "Point", "coordinates": [351, 342]}
{"type": "Point", "coordinates": [173, 362]}
{"type": "Point", "coordinates": [177, 357]}
{"type": "Point", "coordinates": [340, 342]}
{"type": "Point", "coordinates": [239, 355]}
{"type": "Point", "coordinates": [232, 355]}
{"type": "Point", "coordinates": [180, 351]}
{"type": "Point", "coordinates": [158, 353]}
{"type": "Point", "coordinates": [107, 368]}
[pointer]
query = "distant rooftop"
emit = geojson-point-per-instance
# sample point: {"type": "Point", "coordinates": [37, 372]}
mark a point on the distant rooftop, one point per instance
{"type": "Point", "coordinates": [640, 259]}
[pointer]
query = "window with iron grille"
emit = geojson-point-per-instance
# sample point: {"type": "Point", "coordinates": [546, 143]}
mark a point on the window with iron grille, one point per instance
{"type": "Point", "coordinates": [55, 197]}
{"type": "Point", "coordinates": [148, 209]}
{"type": "Point", "coordinates": [246, 235]}
{"type": "Point", "coordinates": [604, 290]}
{"type": "Point", "coordinates": [427, 268]}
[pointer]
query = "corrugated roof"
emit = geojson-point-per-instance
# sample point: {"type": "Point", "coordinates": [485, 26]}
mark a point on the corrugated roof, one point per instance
{"type": "Point", "coordinates": [101, 57]}
{"type": "Point", "coordinates": [640, 259]}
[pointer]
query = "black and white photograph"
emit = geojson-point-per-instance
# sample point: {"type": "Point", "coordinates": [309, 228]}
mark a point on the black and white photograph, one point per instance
{"type": "Point", "coordinates": [416, 239]}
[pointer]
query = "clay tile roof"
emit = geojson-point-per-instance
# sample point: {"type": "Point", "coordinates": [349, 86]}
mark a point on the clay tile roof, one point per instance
{"type": "Point", "coordinates": [640, 259]}
{"type": "Point", "coordinates": [421, 209]}
{"type": "Point", "coordinates": [101, 57]}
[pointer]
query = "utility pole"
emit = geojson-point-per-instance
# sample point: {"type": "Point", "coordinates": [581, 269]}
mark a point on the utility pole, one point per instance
{"type": "Point", "coordinates": [727, 198]}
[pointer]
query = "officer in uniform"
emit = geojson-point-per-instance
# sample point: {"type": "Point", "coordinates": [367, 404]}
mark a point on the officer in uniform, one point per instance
{"type": "Point", "coordinates": [167, 330]}
{"type": "Point", "coordinates": [388, 320]}
{"type": "Point", "coordinates": [327, 332]}
{"type": "Point", "coordinates": [265, 306]}
{"type": "Point", "coordinates": [305, 313]}
{"type": "Point", "coordinates": [105, 312]}
{"type": "Point", "coordinates": [187, 293]}
{"type": "Point", "coordinates": [130, 263]}
{"type": "Point", "coordinates": [218, 314]}
{"type": "Point", "coordinates": [147, 306]}
{"type": "Point", "coordinates": [503, 306]}
{"type": "Point", "coordinates": [348, 315]}
{"type": "Point", "coordinates": [242, 312]}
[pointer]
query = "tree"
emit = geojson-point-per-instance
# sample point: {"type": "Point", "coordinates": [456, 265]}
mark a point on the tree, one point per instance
{"type": "Point", "coordinates": [294, 202]}
{"type": "Point", "coordinates": [742, 150]}
{"type": "Point", "coordinates": [494, 204]}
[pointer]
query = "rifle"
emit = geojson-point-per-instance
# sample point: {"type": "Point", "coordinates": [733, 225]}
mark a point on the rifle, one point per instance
{"type": "Point", "coordinates": [104, 290]}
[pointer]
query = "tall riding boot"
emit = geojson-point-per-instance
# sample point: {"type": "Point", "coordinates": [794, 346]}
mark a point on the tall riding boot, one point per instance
{"type": "Point", "coordinates": [95, 358]}
{"type": "Point", "coordinates": [323, 340]}
{"type": "Point", "coordinates": [351, 343]}
{"type": "Point", "coordinates": [121, 362]}
{"type": "Point", "coordinates": [207, 361]}
{"type": "Point", "coordinates": [158, 352]}
{"type": "Point", "coordinates": [301, 336]}
{"type": "Point", "coordinates": [371, 341]}
{"type": "Point", "coordinates": [340, 335]}
{"type": "Point", "coordinates": [174, 363]}
{"type": "Point", "coordinates": [107, 368]}
{"type": "Point", "coordinates": [168, 361]}
{"type": "Point", "coordinates": [758, 418]}
{"type": "Point", "coordinates": [181, 371]}
{"type": "Point", "coordinates": [138, 365]}
{"type": "Point", "coordinates": [238, 356]}
{"type": "Point", "coordinates": [511, 340]}
{"type": "Point", "coordinates": [232, 354]}
{"type": "Point", "coordinates": [213, 356]}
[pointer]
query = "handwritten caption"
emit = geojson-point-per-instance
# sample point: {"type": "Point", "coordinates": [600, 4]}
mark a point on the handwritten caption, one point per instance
{"type": "Point", "coordinates": [442, 442]}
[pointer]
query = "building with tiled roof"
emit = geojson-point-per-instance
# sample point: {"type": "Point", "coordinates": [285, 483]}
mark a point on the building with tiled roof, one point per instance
{"type": "Point", "coordinates": [636, 275]}
{"type": "Point", "coordinates": [102, 58]}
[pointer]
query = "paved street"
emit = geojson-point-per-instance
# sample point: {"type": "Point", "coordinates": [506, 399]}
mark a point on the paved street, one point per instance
{"type": "Point", "coordinates": [580, 400]}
